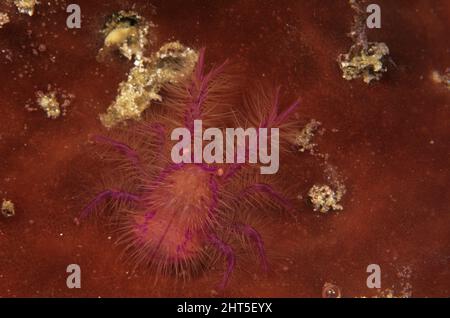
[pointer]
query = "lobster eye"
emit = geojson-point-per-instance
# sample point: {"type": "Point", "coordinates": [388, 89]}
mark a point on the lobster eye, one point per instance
{"type": "Point", "coordinates": [219, 172]}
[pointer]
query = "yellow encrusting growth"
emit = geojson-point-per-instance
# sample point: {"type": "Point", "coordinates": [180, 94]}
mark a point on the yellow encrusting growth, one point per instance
{"type": "Point", "coordinates": [145, 79]}
{"type": "Point", "coordinates": [366, 60]}
{"type": "Point", "coordinates": [4, 19]}
{"type": "Point", "coordinates": [128, 32]}
{"type": "Point", "coordinates": [304, 139]}
{"type": "Point", "coordinates": [368, 63]}
{"type": "Point", "coordinates": [25, 6]}
{"type": "Point", "coordinates": [8, 209]}
{"type": "Point", "coordinates": [49, 103]}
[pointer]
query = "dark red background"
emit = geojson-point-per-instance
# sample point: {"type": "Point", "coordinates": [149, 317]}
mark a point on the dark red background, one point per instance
{"type": "Point", "coordinates": [396, 212]}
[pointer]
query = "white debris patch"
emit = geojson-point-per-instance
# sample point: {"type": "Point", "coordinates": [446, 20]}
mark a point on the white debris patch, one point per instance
{"type": "Point", "coordinates": [304, 139]}
{"type": "Point", "coordinates": [26, 6]}
{"type": "Point", "coordinates": [327, 197]}
{"type": "Point", "coordinates": [324, 199]}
